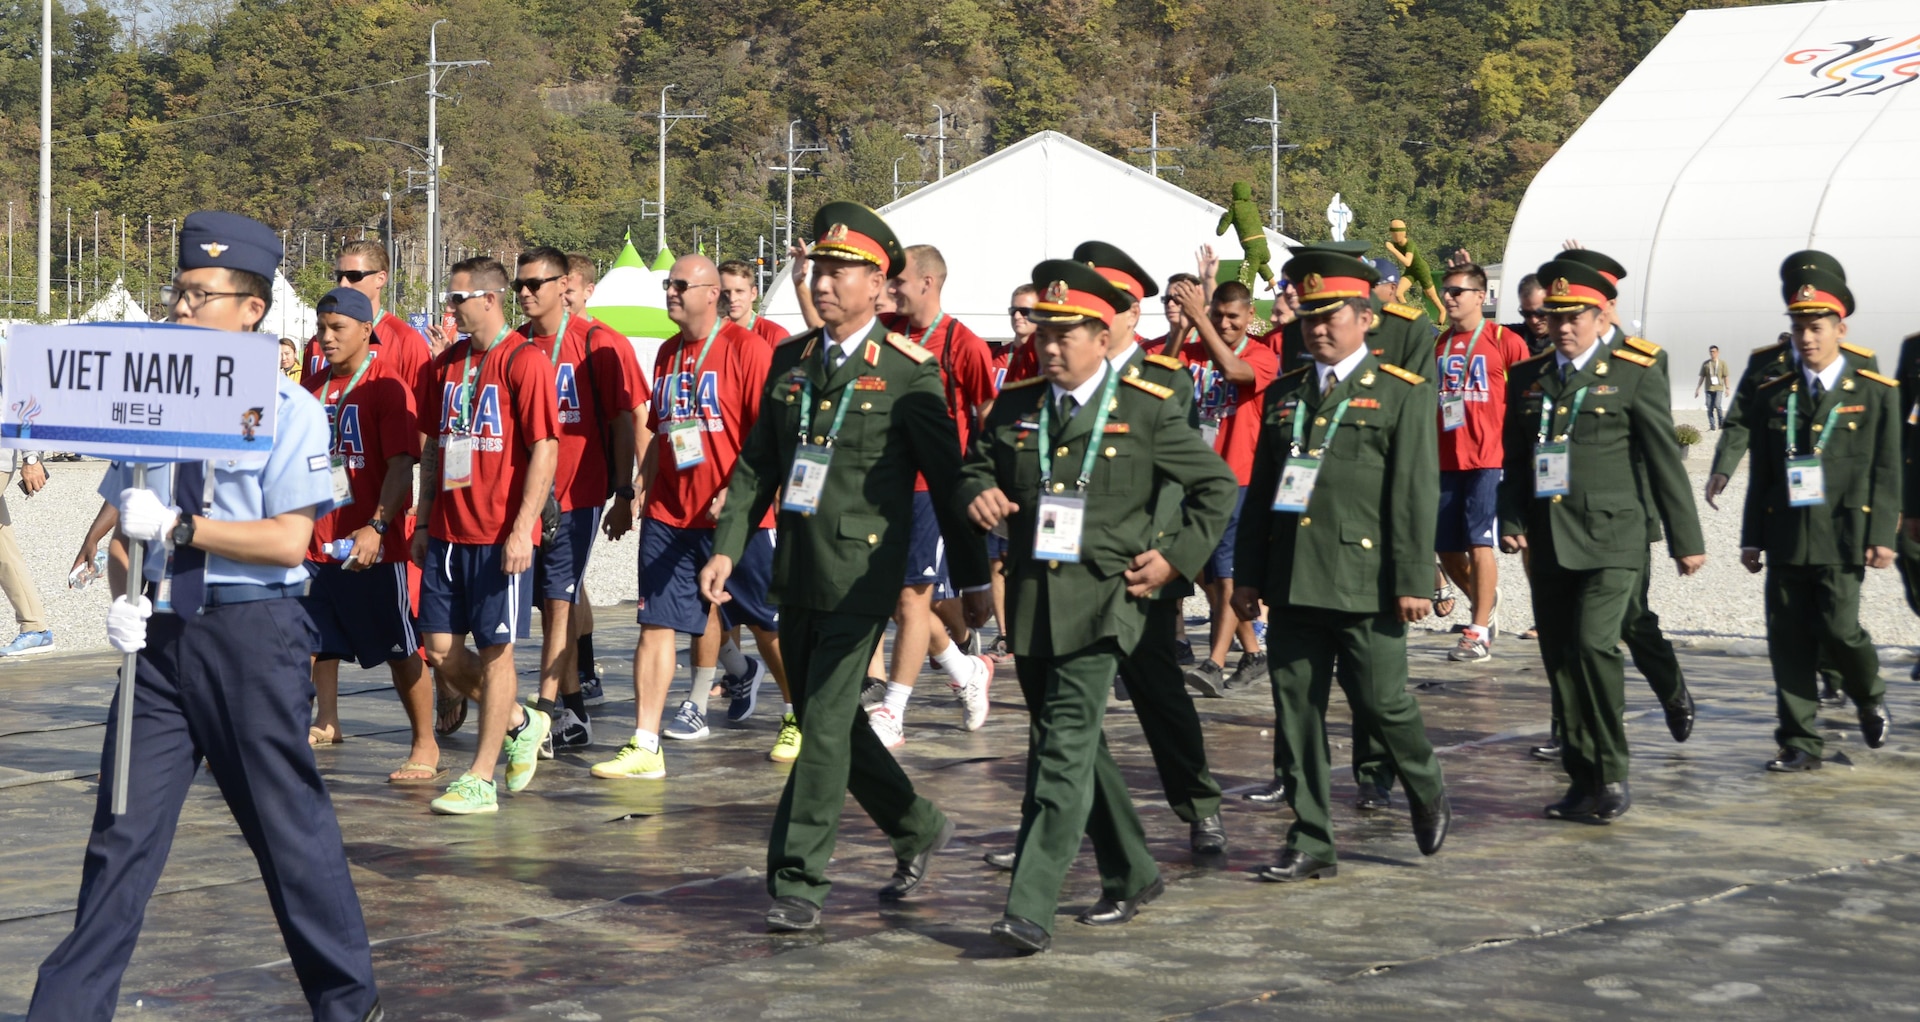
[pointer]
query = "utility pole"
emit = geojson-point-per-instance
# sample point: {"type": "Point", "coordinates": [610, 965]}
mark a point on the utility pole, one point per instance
{"type": "Point", "coordinates": [660, 195]}
{"type": "Point", "coordinates": [939, 140]}
{"type": "Point", "coordinates": [96, 253]}
{"type": "Point", "coordinates": [1275, 219]}
{"type": "Point", "coordinates": [793, 153]}
{"type": "Point", "coordinates": [393, 294]}
{"type": "Point", "coordinates": [9, 261]}
{"type": "Point", "coordinates": [436, 68]}
{"type": "Point", "coordinates": [44, 286]}
{"type": "Point", "coordinates": [147, 285]}
{"type": "Point", "coordinates": [897, 183]}
{"type": "Point", "coordinates": [1154, 149]}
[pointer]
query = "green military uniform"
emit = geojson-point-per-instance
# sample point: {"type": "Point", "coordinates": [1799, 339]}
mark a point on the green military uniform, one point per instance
{"type": "Point", "coordinates": [837, 571]}
{"type": "Point", "coordinates": [1815, 554]}
{"type": "Point", "coordinates": [1332, 574]}
{"type": "Point", "coordinates": [1908, 374]}
{"type": "Point", "coordinates": [1589, 544]}
{"type": "Point", "coordinates": [1074, 621]}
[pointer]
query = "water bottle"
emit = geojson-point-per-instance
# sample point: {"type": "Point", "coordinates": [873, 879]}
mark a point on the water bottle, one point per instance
{"type": "Point", "coordinates": [341, 549]}
{"type": "Point", "coordinates": [85, 573]}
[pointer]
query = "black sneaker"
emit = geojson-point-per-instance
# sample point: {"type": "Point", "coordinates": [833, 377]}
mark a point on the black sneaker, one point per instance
{"type": "Point", "coordinates": [1183, 654]}
{"type": "Point", "coordinates": [1251, 670]}
{"type": "Point", "coordinates": [570, 730]}
{"type": "Point", "coordinates": [873, 692]}
{"type": "Point", "coordinates": [1207, 679]}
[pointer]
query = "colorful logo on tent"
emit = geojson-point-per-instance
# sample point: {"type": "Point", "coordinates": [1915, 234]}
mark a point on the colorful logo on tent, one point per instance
{"type": "Point", "coordinates": [1858, 67]}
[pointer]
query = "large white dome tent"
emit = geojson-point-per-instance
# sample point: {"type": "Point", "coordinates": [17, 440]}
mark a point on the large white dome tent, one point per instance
{"type": "Point", "coordinates": [1747, 134]}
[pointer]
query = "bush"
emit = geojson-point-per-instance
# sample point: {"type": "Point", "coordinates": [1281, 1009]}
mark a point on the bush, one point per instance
{"type": "Point", "coordinates": [1687, 435]}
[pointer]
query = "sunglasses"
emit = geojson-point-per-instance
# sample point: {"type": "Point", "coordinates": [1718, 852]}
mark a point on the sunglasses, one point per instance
{"type": "Point", "coordinates": [1532, 313]}
{"type": "Point", "coordinates": [457, 297]}
{"type": "Point", "coordinates": [681, 287]}
{"type": "Point", "coordinates": [534, 284]}
{"type": "Point", "coordinates": [1455, 292]}
{"type": "Point", "coordinates": [1019, 312]}
{"type": "Point", "coordinates": [353, 276]}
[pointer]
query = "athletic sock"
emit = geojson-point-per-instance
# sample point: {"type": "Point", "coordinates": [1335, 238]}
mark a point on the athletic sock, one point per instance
{"type": "Point", "coordinates": [787, 708]}
{"type": "Point", "coordinates": [576, 702]}
{"type": "Point", "coordinates": [514, 732]}
{"type": "Point", "coordinates": [897, 695]}
{"type": "Point", "coordinates": [703, 678]}
{"type": "Point", "coordinates": [953, 660]}
{"type": "Point", "coordinates": [1478, 632]}
{"type": "Point", "coordinates": [733, 660]}
{"type": "Point", "coordinates": [646, 740]}
{"type": "Point", "coordinates": [586, 668]}
{"type": "Point", "coordinates": [544, 706]}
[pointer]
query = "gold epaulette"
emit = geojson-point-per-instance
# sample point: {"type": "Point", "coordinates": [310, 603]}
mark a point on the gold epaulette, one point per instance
{"type": "Point", "coordinates": [1403, 311]}
{"type": "Point", "coordinates": [1166, 362]}
{"type": "Point", "coordinates": [1294, 372]}
{"type": "Point", "coordinates": [1643, 346]}
{"type": "Point", "coordinates": [812, 337]}
{"type": "Point", "coordinates": [1856, 349]}
{"type": "Point", "coordinates": [908, 348]}
{"type": "Point", "coordinates": [1155, 389]}
{"type": "Point", "coordinates": [1411, 377]}
{"type": "Point", "coordinates": [1635, 357]}
{"type": "Point", "coordinates": [1876, 377]}
{"type": "Point", "coordinates": [1768, 383]}
{"type": "Point", "coordinates": [1024, 382]}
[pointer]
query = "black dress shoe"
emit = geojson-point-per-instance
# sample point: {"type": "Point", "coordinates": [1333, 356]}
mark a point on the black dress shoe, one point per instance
{"type": "Point", "coordinates": [1372, 797]}
{"type": "Point", "coordinates": [1612, 802]}
{"type": "Point", "coordinates": [908, 873]}
{"type": "Point", "coordinates": [375, 1013]}
{"type": "Point", "coordinates": [1576, 804]}
{"type": "Point", "coordinates": [1021, 934]}
{"type": "Point", "coordinates": [1001, 860]}
{"type": "Point", "coordinates": [1108, 912]}
{"type": "Point", "coordinates": [1831, 697]}
{"type": "Point", "coordinates": [1680, 715]}
{"type": "Point", "coordinates": [1297, 865]}
{"type": "Point", "coordinates": [792, 914]}
{"type": "Point", "coordinates": [1793, 761]}
{"type": "Point", "coordinates": [1274, 794]}
{"type": "Point", "coordinates": [1208, 836]}
{"type": "Point", "coordinates": [1431, 823]}
{"type": "Point", "coordinates": [1874, 722]}
{"type": "Point", "coordinates": [1548, 753]}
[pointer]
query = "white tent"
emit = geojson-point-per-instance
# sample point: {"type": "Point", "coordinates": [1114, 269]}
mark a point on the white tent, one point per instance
{"type": "Point", "coordinates": [1035, 200]}
{"type": "Point", "coordinates": [1747, 134]}
{"type": "Point", "coordinates": [117, 306]}
{"type": "Point", "coordinates": [289, 317]}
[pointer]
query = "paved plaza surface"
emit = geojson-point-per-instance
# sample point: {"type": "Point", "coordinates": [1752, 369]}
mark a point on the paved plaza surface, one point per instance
{"type": "Point", "coordinates": [1725, 893]}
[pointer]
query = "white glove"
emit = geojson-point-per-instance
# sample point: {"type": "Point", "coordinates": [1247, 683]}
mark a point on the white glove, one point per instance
{"type": "Point", "coordinates": [127, 623]}
{"type": "Point", "coordinates": [143, 517]}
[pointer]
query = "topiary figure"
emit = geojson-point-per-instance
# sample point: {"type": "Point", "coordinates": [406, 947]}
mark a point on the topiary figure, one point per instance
{"type": "Point", "coordinates": [1244, 217]}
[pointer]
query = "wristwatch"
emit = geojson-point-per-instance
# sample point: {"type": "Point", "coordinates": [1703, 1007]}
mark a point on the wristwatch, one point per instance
{"type": "Point", "coordinates": [379, 527]}
{"type": "Point", "coordinates": [624, 493]}
{"type": "Point", "coordinates": [182, 534]}
{"type": "Point", "coordinates": [30, 459]}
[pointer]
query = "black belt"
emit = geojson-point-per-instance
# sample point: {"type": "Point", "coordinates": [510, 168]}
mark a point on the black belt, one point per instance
{"type": "Point", "coordinates": [224, 595]}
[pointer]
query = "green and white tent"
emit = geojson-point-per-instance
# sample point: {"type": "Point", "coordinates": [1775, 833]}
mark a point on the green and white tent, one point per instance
{"type": "Point", "coordinates": [628, 298]}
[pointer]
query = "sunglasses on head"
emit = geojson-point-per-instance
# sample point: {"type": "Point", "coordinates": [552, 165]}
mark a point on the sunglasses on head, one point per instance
{"type": "Point", "coordinates": [353, 276]}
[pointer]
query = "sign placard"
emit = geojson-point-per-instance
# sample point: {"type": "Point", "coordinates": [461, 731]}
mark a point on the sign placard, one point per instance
{"type": "Point", "coordinates": [140, 391]}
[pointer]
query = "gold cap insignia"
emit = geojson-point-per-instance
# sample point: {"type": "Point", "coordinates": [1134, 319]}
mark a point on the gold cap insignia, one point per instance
{"type": "Point", "coordinates": [1560, 287]}
{"type": "Point", "coordinates": [214, 248]}
{"type": "Point", "coordinates": [1312, 283]}
{"type": "Point", "coordinates": [837, 232]}
{"type": "Point", "coordinates": [1807, 291]}
{"type": "Point", "coordinates": [1057, 292]}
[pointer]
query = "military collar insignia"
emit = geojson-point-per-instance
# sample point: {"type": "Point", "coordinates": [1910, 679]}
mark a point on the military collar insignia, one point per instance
{"type": "Point", "coordinates": [873, 354]}
{"type": "Point", "coordinates": [1600, 369]}
{"type": "Point", "coordinates": [1366, 380]}
{"type": "Point", "coordinates": [1846, 384]}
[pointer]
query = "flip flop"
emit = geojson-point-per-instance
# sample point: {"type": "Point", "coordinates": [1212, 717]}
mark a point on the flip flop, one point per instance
{"type": "Point", "coordinates": [317, 736]}
{"type": "Point", "coordinates": [1443, 601]}
{"type": "Point", "coordinates": [441, 705]}
{"type": "Point", "coordinates": [425, 773]}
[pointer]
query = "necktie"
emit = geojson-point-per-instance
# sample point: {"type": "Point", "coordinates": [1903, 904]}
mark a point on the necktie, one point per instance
{"type": "Point", "coordinates": [1566, 370]}
{"type": "Point", "coordinates": [1818, 389]}
{"type": "Point", "coordinates": [189, 563]}
{"type": "Point", "coordinates": [1327, 382]}
{"type": "Point", "coordinates": [834, 354]}
{"type": "Point", "coordinates": [1067, 407]}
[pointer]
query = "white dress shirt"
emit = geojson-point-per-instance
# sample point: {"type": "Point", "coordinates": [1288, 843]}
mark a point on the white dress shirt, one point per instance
{"type": "Point", "coordinates": [1578, 362]}
{"type": "Point", "coordinates": [1340, 370]}
{"type": "Point", "coordinates": [1829, 377]}
{"type": "Point", "coordinates": [1084, 392]}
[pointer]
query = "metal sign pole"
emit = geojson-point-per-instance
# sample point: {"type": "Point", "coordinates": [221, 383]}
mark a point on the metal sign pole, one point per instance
{"type": "Point", "coordinates": [123, 740]}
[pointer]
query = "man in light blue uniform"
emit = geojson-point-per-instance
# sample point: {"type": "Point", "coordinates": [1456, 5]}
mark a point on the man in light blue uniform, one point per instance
{"type": "Point", "coordinates": [223, 675]}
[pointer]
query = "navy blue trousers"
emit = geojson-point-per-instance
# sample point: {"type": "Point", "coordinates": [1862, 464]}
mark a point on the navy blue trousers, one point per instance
{"type": "Point", "coordinates": [230, 686]}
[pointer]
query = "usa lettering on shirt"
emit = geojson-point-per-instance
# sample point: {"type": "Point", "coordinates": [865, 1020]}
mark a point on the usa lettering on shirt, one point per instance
{"type": "Point", "coordinates": [487, 427]}
{"type": "Point", "coordinates": [1470, 380]}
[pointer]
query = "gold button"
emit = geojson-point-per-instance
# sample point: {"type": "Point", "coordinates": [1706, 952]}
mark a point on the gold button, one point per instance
{"type": "Point", "coordinates": [1816, 427]}
{"type": "Point", "coordinates": [1320, 421]}
{"type": "Point", "coordinates": [1061, 453]}
{"type": "Point", "coordinates": [1853, 425]}
{"type": "Point", "coordinates": [1018, 444]}
{"type": "Point", "coordinates": [1562, 410]}
{"type": "Point", "coordinates": [1865, 509]}
{"type": "Point", "coordinates": [873, 537]}
{"type": "Point", "coordinates": [1365, 543]}
{"type": "Point", "coordinates": [1059, 487]}
{"type": "Point", "coordinates": [1109, 452]}
{"type": "Point", "coordinates": [1599, 411]}
{"type": "Point", "coordinates": [866, 406]}
{"type": "Point", "coordinates": [1556, 498]}
{"type": "Point", "coordinates": [817, 441]}
{"type": "Point", "coordinates": [1053, 564]}
{"type": "Point", "coordinates": [1305, 521]}
{"type": "Point", "coordinates": [824, 405]}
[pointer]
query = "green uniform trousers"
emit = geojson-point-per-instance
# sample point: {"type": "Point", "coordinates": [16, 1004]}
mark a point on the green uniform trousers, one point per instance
{"type": "Point", "coordinates": [827, 656]}
{"type": "Point", "coordinates": [1652, 654]}
{"type": "Point", "coordinates": [1303, 645]}
{"type": "Point", "coordinates": [1907, 560]}
{"type": "Point", "coordinates": [1167, 717]}
{"type": "Point", "coordinates": [1580, 615]}
{"type": "Point", "coordinates": [1813, 614]}
{"type": "Point", "coordinates": [1073, 786]}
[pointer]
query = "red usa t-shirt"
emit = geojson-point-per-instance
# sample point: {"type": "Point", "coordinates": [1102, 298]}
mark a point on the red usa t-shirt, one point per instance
{"type": "Point", "coordinates": [966, 369]}
{"type": "Point", "coordinates": [508, 413]}
{"type": "Point", "coordinates": [724, 399]}
{"type": "Point", "coordinates": [372, 422]}
{"type": "Point", "coordinates": [1022, 363]}
{"type": "Point", "coordinates": [587, 395]}
{"type": "Point", "coordinates": [767, 330]}
{"type": "Point", "coordinates": [1234, 407]}
{"type": "Point", "coordinates": [403, 347]}
{"type": "Point", "coordinates": [1481, 381]}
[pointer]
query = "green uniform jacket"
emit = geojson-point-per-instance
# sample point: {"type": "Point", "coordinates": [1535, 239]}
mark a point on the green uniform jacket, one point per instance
{"type": "Point", "coordinates": [1627, 414]}
{"type": "Point", "coordinates": [1148, 444]}
{"type": "Point", "coordinates": [1401, 335]}
{"type": "Point", "coordinates": [1859, 462]}
{"type": "Point", "coordinates": [1764, 364]}
{"type": "Point", "coordinates": [1908, 373]}
{"type": "Point", "coordinates": [1366, 538]}
{"type": "Point", "coordinates": [1167, 371]}
{"type": "Point", "coordinates": [1620, 341]}
{"type": "Point", "coordinates": [852, 555]}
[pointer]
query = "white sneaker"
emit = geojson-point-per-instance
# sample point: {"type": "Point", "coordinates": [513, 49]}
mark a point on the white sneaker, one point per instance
{"type": "Point", "coordinates": [973, 693]}
{"type": "Point", "coordinates": [886, 727]}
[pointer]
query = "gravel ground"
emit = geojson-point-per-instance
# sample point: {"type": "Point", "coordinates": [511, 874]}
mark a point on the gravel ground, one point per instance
{"type": "Point", "coordinates": [1722, 602]}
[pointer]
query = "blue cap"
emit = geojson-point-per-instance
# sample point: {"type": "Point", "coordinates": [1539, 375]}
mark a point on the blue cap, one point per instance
{"type": "Point", "coordinates": [1389, 270]}
{"type": "Point", "coordinates": [236, 242]}
{"type": "Point", "coordinates": [347, 302]}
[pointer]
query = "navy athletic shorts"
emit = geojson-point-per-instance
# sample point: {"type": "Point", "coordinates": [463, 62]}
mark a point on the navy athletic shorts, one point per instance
{"type": "Point", "coordinates": [559, 567]}
{"type": "Point", "coordinates": [362, 616]}
{"type": "Point", "coordinates": [464, 592]}
{"type": "Point", "coordinates": [670, 563]}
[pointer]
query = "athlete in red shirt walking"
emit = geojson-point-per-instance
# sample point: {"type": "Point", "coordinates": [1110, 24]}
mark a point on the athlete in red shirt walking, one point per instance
{"type": "Point", "coordinates": [740, 296]}
{"type": "Point", "coordinates": [362, 266]}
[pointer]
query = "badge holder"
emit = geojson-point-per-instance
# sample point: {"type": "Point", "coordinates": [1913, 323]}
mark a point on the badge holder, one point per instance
{"type": "Point", "coordinates": [1806, 482]}
{"type": "Point", "coordinates": [807, 480]}
{"type": "Point", "coordinates": [456, 468]}
{"type": "Point", "coordinates": [688, 448]}
{"type": "Point", "coordinates": [1058, 525]}
{"type": "Point", "coordinates": [1551, 474]}
{"type": "Point", "coordinates": [342, 486]}
{"type": "Point", "coordinates": [1453, 412]}
{"type": "Point", "coordinates": [1297, 477]}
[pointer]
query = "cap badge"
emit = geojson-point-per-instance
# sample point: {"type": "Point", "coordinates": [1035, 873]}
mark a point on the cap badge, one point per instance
{"type": "Point", "coordinates": [836, 233]}
{"type": "Point", "coordinates": [1312, 283]}
{"type": "Point", "coordinates": [1806, 293]}
{"type": "Point", "coordinates": [1057, 292]}
{"type": "Point", "coordinates": [214, 248]}
{"type": "Point", "coordinates": [1560, 287]}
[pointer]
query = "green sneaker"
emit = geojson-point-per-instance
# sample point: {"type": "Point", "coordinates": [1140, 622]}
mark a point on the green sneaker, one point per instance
{"type": "Point", "coordinates": [786, 748]}
{"type": "Point", "coordinates": [633, 762]}
{"type": "Point", "coordinates": [523, 753]}
{"type": "Point", "coordinates": [467, 796]}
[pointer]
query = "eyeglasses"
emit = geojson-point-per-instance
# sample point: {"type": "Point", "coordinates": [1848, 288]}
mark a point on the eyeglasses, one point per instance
{"type": "Point", "coordinates": [681, 287]}
{"type": "Point", "coordinates": [457, 297]}
{"type": "Point", "coordinates": [534, 285]}
{"type": "Point", "coordinates": [193, 296]}
{"type": "Point", "coordinates": [1019, 312]}
{"type": "Point", "coordinates": [1455, 292]}
{"type": "Point", "coordinates": [354, 276]}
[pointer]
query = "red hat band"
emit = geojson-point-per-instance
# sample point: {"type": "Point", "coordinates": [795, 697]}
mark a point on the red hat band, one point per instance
{"type": "Point", "coordinates": [1060, 298]}
{"type": "Point", "coordinates": [1565, 292]}
{"type": "Point", "coordinates": [1122, 280]}
{"type": "Point", "coordinates": [1314, 286]}
{"type": "Point", "coordinates": [841, 242]}
{"type": "Point", "coordinates": [1812, 299]}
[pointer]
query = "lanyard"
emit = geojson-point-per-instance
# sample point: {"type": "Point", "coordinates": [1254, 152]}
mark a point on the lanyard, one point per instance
{"type": "Point", "coordinates": [1093, 445]}
{"type": "Point", "coordinates": [698, 364]}
{"type": "Point", "coordinates": [931, 327]}
{"type": "Point", "coordinates": [1237, 352]}
{"type": "Point", "coordinates": [559, 336]}
{"type": "Point", "coordinates": [1546, 414]}
{"type": "Point", "coordinates": [806, 403]}
{"type": "Point", "coordinates": [1793, 420]}
{"type": "Point", "coordinates": [334, 409]}
{"type": "Point", "coordinates": [1468, 358]}
{"type": "Point", "coordinates": [470, 379]}
{"type": "Point", "coordinates": [1300, 428]}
